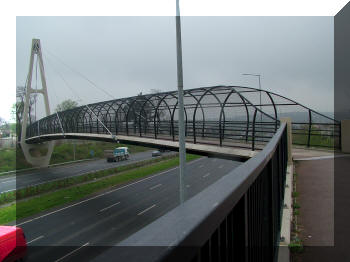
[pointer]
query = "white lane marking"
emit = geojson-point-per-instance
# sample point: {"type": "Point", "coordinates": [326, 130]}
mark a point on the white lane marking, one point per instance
{"type": "Point", "coordinates": [221, 166]}
{"type": "Point", "coordinates": [75, 250]}
{"type": "Point", "coordinates": [106, 193]}
{"type": "Point", "coordinates": [8, 178]}
{"type": "Point", "coordinates": [103, 209]}
{"type": "Point", "coordinates": [146, 210]}
{"type": "Point", "coordinates": [8, 190]}
{"type": "Point", "coordinates": [35, 239]}
{"type": "Point", "coordinates": [207, 174]}
{"type": "Point", "coordinates": [153, 187]}
{"type": "Point", "coordinates": [201, 166]}
{"type": "Point", "coordinates": [320, 157]}
{"type": "Point", "coordinates": [9, 181]}
{"type": "Point", "coordinates": [187, 185]}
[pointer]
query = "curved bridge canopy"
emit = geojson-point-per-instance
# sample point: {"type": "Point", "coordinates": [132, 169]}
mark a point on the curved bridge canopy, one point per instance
{"type": "Point", "coordinates": [220, 116]}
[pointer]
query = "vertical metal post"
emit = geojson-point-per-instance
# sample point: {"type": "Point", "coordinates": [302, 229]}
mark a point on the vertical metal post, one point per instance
{"type": "Point", "coordinates": [258, 75]}
{"type": "Point", "coordinates": [310, 127]}
{"type": "Point", "coordinates": [260, 101]}
{"type": "Point", "coordinates": [182, 146]}
{"type": "Point", "coordinates": [253, 132]}
{"type": "Point", "coordinates": [73, 150]}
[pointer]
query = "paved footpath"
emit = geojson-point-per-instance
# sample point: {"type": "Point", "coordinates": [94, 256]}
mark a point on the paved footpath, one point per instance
{"type": "Point", "coordinates": [323, 184]}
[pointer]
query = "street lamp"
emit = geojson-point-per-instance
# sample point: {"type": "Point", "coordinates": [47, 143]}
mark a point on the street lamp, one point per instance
{"type": "Point", "coordinates": [258, 75]}
{"type": "Point", "coordinates": [182, 146]}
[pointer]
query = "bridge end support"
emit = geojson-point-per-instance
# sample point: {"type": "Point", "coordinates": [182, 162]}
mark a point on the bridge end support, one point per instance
{"type": "Point", "coordinates": [33, 153]}
{"type": "Point", "coordinates": [288, 121]}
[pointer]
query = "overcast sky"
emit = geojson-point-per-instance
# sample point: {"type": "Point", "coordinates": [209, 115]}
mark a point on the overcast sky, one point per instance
{"type": "Point", "coordinates": [128, 55]}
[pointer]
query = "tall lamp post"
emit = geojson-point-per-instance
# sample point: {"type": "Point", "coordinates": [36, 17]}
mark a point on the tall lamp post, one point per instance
{"type": "Point", "coordinates": [182, 146]}
{"type": "Point", "coordinates": [257, 75]}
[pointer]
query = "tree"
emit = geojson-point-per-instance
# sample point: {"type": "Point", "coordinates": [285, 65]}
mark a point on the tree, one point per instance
{"type": "Point", "coordinates": [18, 108]}
{"type": "Point", "coordinates": [65, 105]}
{"type": "Point", "coordinates": [4, 128]}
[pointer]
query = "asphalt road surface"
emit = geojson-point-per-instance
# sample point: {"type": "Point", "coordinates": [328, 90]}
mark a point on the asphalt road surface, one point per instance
{"type": "Point", "coordinates": [83, 230]}
{"type": "Point", "coordinates": [38, 176]}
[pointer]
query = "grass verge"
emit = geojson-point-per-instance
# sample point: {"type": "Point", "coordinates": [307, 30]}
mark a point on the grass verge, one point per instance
{"type": "Point", "coordinates": [64, 196]}
{"type": "Point", "coordinates": [296, 244]}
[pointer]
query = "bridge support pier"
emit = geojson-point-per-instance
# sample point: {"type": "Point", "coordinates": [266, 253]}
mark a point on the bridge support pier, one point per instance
{"type": "Point", "coordinates": [34, 153]}
{"type": "Point", "coordinates": [288, 121]}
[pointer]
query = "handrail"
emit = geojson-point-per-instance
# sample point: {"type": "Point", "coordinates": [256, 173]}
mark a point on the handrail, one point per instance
{"type": "Point", "coordinates": [193, 222]}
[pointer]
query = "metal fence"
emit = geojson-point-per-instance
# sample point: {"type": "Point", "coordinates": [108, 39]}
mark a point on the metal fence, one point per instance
{"type": "Point", "coordinates": [238, 218]}
{"type": "Point", "coordinates": [222, 115]}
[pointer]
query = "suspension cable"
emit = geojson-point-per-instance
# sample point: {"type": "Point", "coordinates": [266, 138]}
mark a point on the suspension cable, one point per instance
{"type": "Point", "coordinates": [113, 136]}
{"type": "Point", "coordinates": [81, 74]}
{"type": "Point", "coordinates": [63, 79]}
{"type": "Point", "coordinates": [59, 119]}
{"type": "Point", "coordinates": [72, 90]}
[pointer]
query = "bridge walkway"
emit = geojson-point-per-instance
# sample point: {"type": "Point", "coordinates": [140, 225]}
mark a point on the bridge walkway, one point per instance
{"type": "Point", "coordinates": [324, 211]}
{"type": "Point", "coordinates": [230, 148]}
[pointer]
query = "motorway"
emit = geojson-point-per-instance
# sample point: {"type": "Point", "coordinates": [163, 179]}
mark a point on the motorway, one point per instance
{"type": "Point", "coordinates": [38, 176]}
{"type": "Point", "coordinates": [83, 230]}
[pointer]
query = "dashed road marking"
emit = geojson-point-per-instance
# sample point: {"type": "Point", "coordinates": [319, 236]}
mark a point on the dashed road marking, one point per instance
{"type": "Point", "coordinates": [207, 174]}
{"type": "Point", "coordinates": [146, 210]}
{"type": "Point", "coordinates": [35, 239]}
{"type": "Point", "coordinates": [153, 187]}
{"type": "Point", "coordinates": [103, 209]}
{"type": "Point", "coordinates": [75, 250]}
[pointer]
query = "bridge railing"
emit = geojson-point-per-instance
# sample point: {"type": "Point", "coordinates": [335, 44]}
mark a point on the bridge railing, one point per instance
{"type": "Point", "coordinates": [238, 218]}
{"type": "Point", "coordinates": [253, 135]}
{"type": "Point", "coordinates": [221, 115]}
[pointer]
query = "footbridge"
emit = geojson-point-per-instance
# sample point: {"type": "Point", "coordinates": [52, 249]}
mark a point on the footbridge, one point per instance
{"type": "Point", "coordinates": [223, 121]}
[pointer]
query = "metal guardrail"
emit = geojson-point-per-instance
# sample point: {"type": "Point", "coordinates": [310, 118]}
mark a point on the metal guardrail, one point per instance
{"type": "Point", "coordinates": [238, 218]}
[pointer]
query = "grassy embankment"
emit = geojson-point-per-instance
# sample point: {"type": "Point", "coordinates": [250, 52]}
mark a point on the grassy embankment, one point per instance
{"type": "Point", "coordinates": [63, 196]}
{"type": "Point", "coordinates": [63, 152]}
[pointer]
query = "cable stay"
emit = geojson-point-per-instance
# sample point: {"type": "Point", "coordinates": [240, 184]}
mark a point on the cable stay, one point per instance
{"type": "Point", "coordinates": [113, 136]}
{"type": "Point", "coordinates": [81, 74]}
{"type": "Point", "coordinates": [79, 98]}
{"type": "Point", "coordinates": [71, 89]}
{"type": "Point", "coordinates": [59, 119]}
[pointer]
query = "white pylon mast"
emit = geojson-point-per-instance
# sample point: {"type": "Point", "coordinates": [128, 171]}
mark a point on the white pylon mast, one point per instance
{"type": "Point", "coordinates": [40, 161]}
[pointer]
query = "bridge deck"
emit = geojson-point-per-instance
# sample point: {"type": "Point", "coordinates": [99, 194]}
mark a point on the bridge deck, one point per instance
{"type": "Point", "coordinates": [207, 147]}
